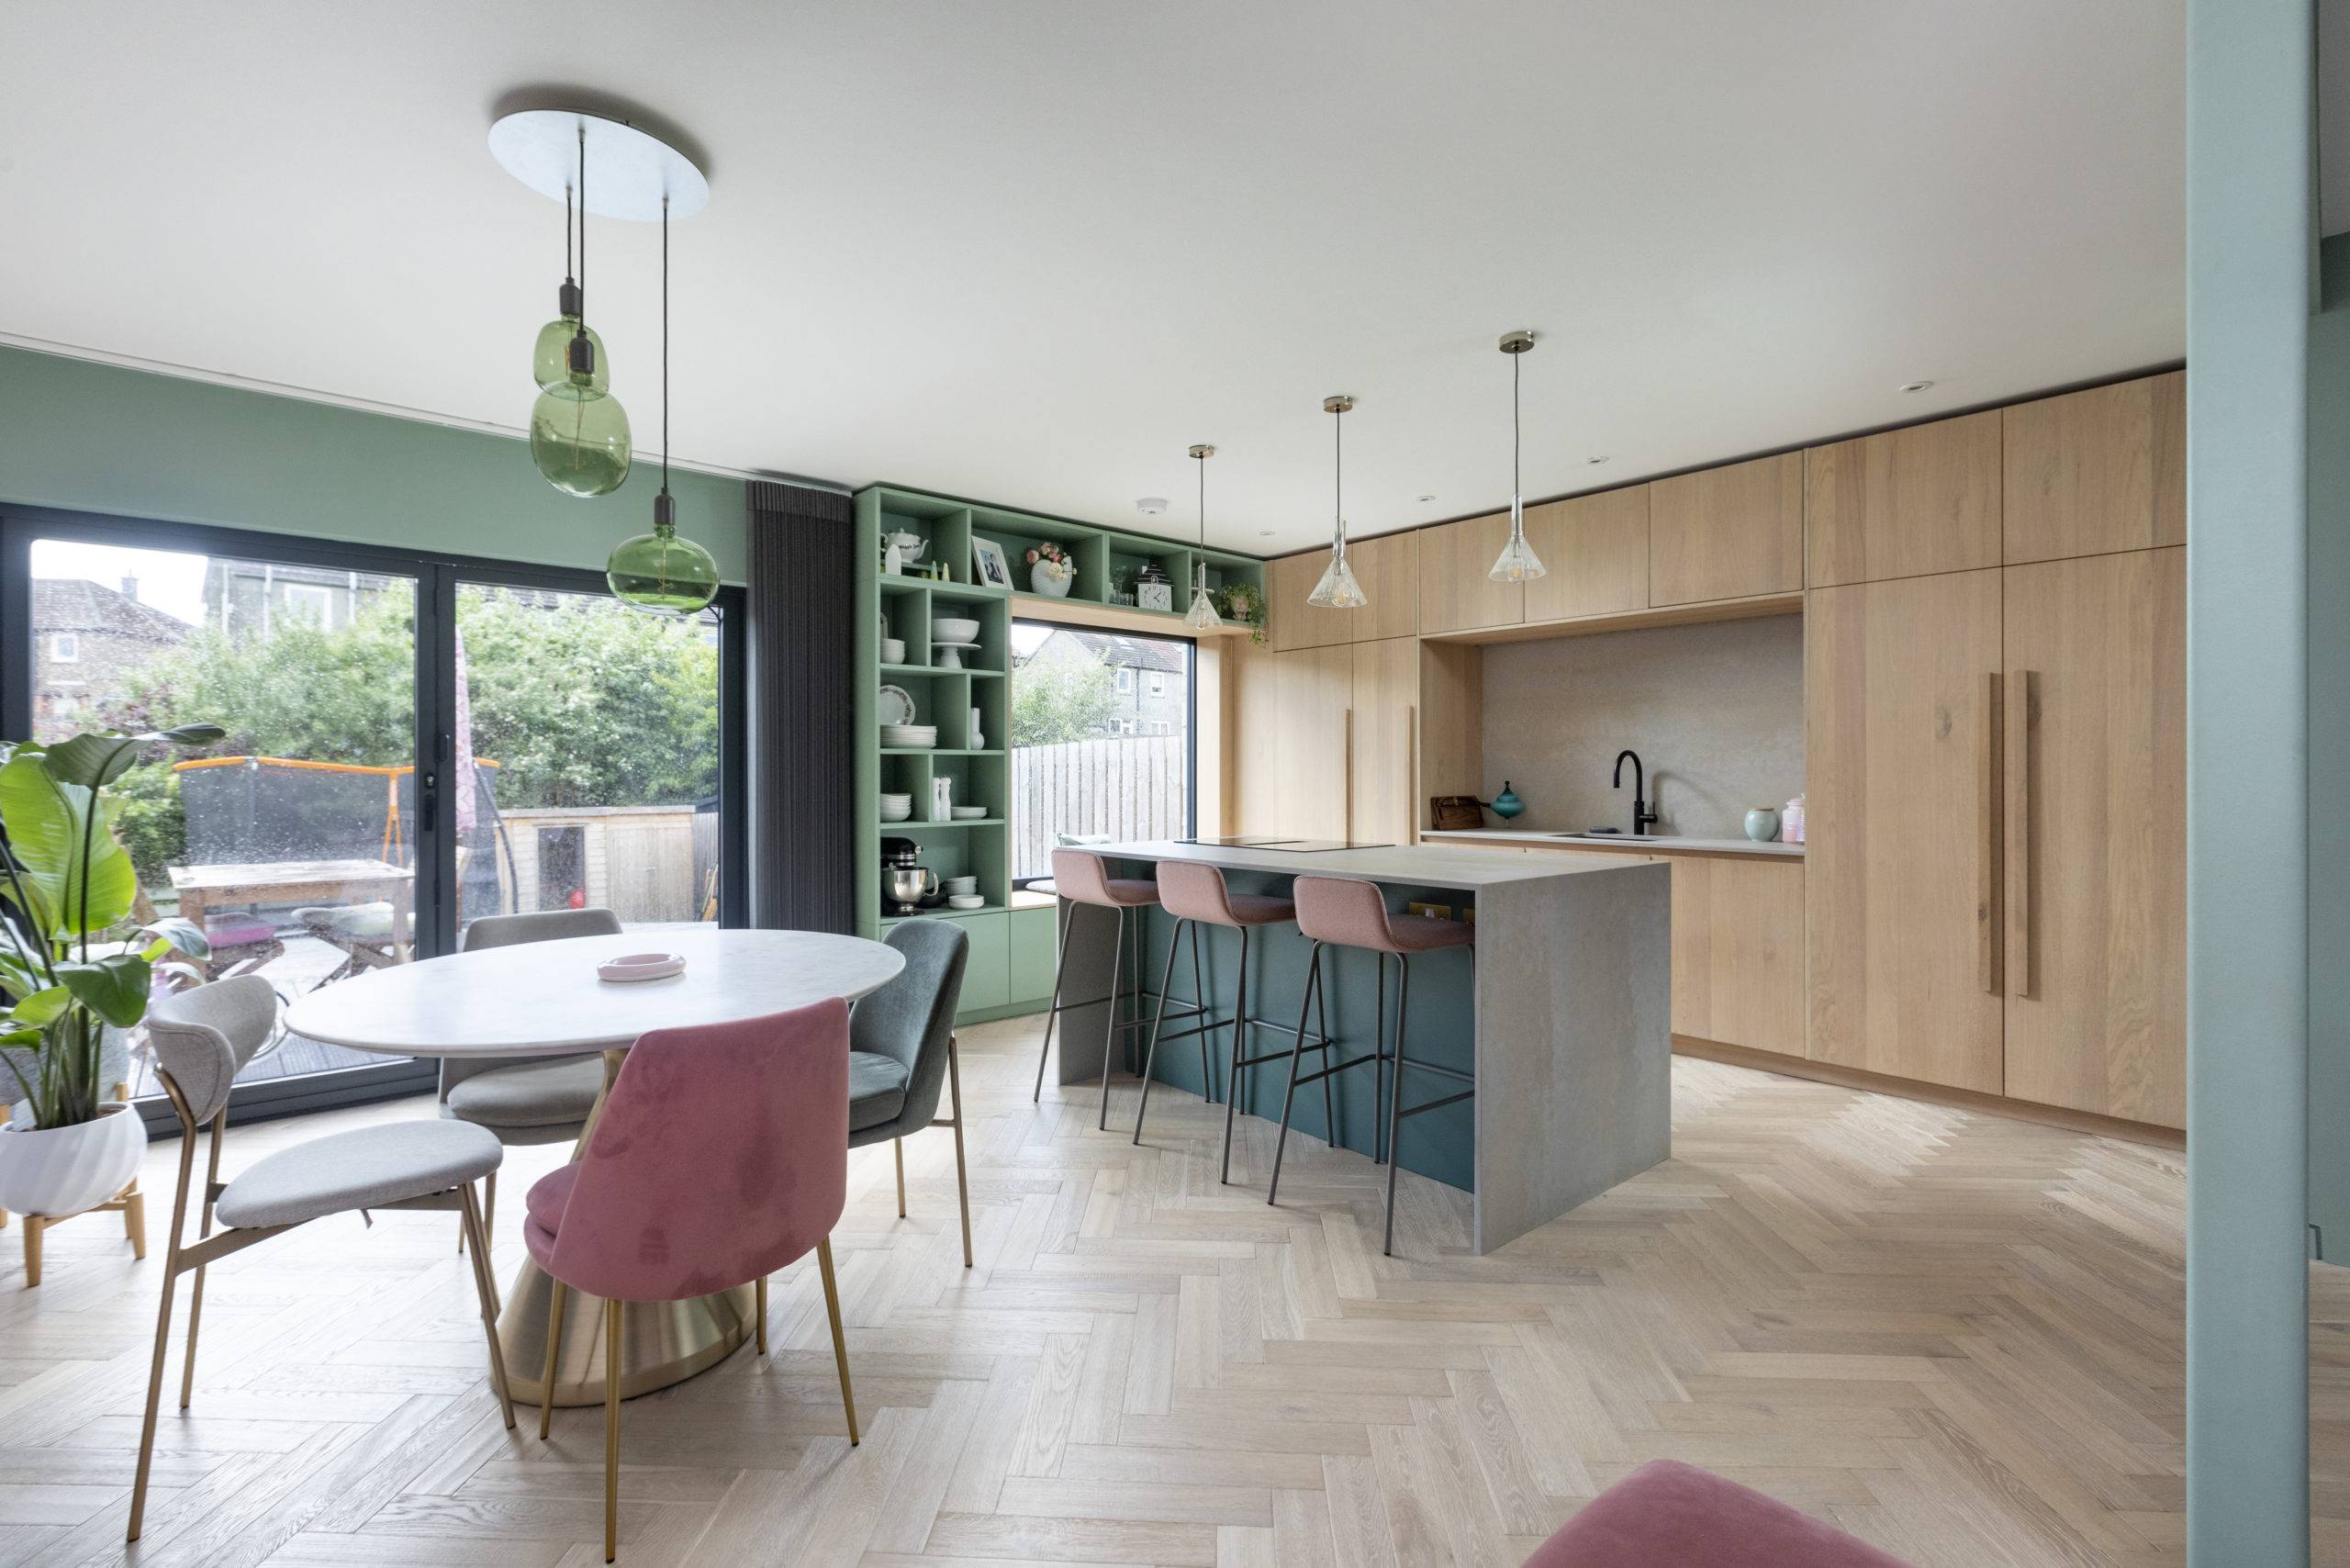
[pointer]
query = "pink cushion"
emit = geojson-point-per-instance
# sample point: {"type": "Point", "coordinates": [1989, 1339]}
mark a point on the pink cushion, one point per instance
{"type": "Point", "coordinates": [548, 1194]}
{"type": "Point", "coordinates": [1192, 891]}
{"type": "Point", "coordinates": [1353, 914]}
{"type": "Point", "coordinates": [1669, 1515]}
{"type": "Point", "coordinates": [721, 1155]}
{"type": "Point", "coordinates": [1083, 877]}
{"type": "Point", "coordinates": [238, 931]}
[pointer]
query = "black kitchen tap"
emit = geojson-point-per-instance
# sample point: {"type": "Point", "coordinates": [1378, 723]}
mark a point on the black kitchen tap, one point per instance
{"type": "Point", "coordinates": [1641, 816]}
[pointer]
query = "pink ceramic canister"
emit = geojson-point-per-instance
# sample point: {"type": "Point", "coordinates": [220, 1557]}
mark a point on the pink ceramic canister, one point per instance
{"type": "Point", "coordinates": [1791, 821]}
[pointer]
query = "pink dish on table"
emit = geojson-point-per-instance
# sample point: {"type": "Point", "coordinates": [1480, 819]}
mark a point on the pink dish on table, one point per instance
{"type": "Point", "coordinates": [632, 967]}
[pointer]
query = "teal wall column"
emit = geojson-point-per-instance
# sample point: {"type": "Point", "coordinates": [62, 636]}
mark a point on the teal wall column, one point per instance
{"type": "Point", "coordinates": [2250, 244]}
{"type": "Point", "coordinates": [90, 437]}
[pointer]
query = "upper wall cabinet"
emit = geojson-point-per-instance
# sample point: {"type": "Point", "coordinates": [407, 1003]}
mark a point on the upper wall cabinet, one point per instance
{"type": "Point", "coordinates": [2097, 471]}
{"type": "Point", "coordinates": [1727, 532]}
{"type": "Point", "coordinates": [1904, 504]}
{"type": "Point", "coordinates": [1387, 569]}
{"type": "Point", "coordinates": [1455, 593]}
{"type": "Point", "coordinates": [1597, 550]}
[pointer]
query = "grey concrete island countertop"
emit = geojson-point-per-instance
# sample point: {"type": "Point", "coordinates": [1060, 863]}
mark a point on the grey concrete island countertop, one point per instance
{"type": "Point", "coordinates": [1648, 844]}
{"type": "Point", "coordinates": [1418, 864]}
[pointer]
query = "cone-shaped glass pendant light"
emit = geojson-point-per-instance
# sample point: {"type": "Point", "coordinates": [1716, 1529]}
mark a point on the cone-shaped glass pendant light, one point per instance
{"type": "Point", "coordinates": [659, 571]}
{"type": "Point", "coordinates": [1202, 617]}
{"type": "Point", "coordinates": [579, 434]}
{"type": "Point", "coordinates": [1518, 563]}
{"type": "Point", "coordinates": [1337, 588]}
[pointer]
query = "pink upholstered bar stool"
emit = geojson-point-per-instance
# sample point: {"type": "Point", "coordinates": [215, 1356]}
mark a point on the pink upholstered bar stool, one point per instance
{"type": "Point", "coordinates": [1082, 877]}
{"type": "Point", "coordinates": [1196, 895]}
{"type": "Point", "coordinates": [1348, 914]}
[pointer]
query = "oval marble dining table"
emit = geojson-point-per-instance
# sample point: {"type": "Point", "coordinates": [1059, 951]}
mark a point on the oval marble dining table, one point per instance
{"type": "Point", "coordinates": [544, 999]}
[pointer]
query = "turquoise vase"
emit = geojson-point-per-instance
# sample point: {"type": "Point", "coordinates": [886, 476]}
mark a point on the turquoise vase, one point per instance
{"type": "Point", "coordinates": [1507, 804]}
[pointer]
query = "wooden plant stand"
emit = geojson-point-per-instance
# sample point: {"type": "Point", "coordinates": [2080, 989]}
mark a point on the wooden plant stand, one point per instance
{"type": "Point", "coordinates": [129, 1203]}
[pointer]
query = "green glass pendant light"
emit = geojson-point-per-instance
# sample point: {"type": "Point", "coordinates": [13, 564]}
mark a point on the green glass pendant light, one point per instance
{"type": "Point", "coordinates": [579, 434]}
{"type": "Point", "coordinates": [660, 572]}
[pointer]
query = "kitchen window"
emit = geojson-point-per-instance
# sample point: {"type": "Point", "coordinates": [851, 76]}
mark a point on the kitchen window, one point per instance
{"type": "Point", "coordinates": [1085, 769]}
{"type": "Point", "coordinates": [1125, 680]}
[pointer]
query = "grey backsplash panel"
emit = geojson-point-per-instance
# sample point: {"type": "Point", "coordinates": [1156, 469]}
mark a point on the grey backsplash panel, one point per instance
{"type": "Point", "coordinates": [1714, 710]}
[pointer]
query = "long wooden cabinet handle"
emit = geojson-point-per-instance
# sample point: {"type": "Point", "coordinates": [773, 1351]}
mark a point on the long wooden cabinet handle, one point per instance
{"type": "Point", "coordinates": [1990, 786]}
{"type": "Point", "coordinates": [2022, 697]}
{"type": "Point", "coordinates": [1411, 774]}
{"type": "Point", "coordinates": [1346, 761]}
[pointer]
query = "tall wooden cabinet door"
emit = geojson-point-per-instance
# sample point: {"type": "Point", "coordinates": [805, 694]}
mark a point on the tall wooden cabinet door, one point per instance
{"type": "Point", "coordinates": [1903, 503]}
{"type": "Point", "coordinates": [1384, 754]}
{"type": "Point", "coordinates": [1455, 593]}
{"type": "Point", "coordinates": [1388, 569]}
{"type": "Point", "coordinates": [1594, 550]}
{"type": "Point", "coordinates": [1900, 873]}
{"type": "Point", "coordinates": [1289, 621]}
{"type": "Point", "coordinates": [2097, 471]}
{"type": "Point", "coordinates": [1727, 532]}
{"type": "Point", "coordinates": [1311, 778]}
{"type": "Point", "coordinates": [1254, 745]}
{"type": "Point", "coordinates": [2095, 857]}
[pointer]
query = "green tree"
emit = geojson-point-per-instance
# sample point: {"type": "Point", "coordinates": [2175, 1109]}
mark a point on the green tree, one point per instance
{"type": "Point", "coordinates": [1064, 693]}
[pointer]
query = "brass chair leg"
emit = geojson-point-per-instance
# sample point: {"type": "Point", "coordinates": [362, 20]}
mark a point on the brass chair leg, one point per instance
{"type": "Point", "coordinates": [163, 1319]}
{"type": "Point", "coordinates": [554, 1339]}
{"type": "Point", "coordinates": [615, 1322]}
{"type": "Point", "coordinates": [763, 1315]}
{"type": "Point", "coordinates": [840, 1340]}
{"type": "Point", "coordinates": [488, 1295]}
{"type": "Point", "coordinates": [194, 1322]}
{"type": "Point", "coordinates": [962, 1181]}
{"type": "Point", "coordinates": [897, 1147]}
{"type": "Point", "coordinates": [490, 1207]}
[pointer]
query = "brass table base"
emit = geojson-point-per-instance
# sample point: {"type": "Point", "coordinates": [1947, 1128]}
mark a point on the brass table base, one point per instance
{"type": "Point", "coordinates": [666, 1342]}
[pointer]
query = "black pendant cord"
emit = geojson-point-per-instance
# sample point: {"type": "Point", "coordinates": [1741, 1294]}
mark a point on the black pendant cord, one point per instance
{"type": "Point", "coordinates": [583, 228]}
{"type": "Point", "coordinates": [665, 346]}
{"type": "Point", "coordinates": [1515, 490]}
{"type": "Point", "coordinates": [1338, 478]}
{"type": "Point", "coordinates": [568, 276]}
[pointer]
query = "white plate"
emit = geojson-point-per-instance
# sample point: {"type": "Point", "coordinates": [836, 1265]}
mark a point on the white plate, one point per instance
{"type": "Point", "coordinates": [631, 968]}
{"type": "Point", "coordinates": [967, 901]}
{"type": "Point", "coordinates": [897, 706]}
{"type": "Point", "coordinates": [969, 813]}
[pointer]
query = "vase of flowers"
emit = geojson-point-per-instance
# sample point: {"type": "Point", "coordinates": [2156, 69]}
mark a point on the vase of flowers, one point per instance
{"type": "Point", "coordinates": [72, 962]}
{"type": "Point", "coordinates": [1050, 571]}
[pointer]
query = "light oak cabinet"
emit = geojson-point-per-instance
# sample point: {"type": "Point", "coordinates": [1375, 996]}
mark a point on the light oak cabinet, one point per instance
{"type": "Point", "coordinates": [1338, 744]}
{"type": "Point", "coordinates": [1388, 569]}
{"type": "Point", "coordinates": [1314, 691]}
{"type": "Point", "coordinates": [1905, 503]}
{"type": "Point", "coordinates": [2096, 783]}
{"type": "Point", "coordinates": [1738, 951]}
{"type": "Point", "coordinates": [1729, 532]}
{"type": "Point", "coordinates": [1381, 742]}
{"type": "Point", "coordinates": [1455, 593]}
{"type": "Point", "coordinates": [2097, 471]}
{"type": "Point", "coordinates": [1596, 549]}
{"type": "Point", "coordinates": [1902, 874]}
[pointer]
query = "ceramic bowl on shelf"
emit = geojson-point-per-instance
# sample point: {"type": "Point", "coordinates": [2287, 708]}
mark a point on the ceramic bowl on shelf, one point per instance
{"type": "Point", "coordinates": [961, 884]}
{"type": "Point", "coordinates": [898, 813]}
{"type": "Point", "coordinates": [893, 650]}
{"type": "Point", "coordinates": [965, 900]}
{"type": "Point", "coordinates": [953, 629]}
{"type": "Point", "coordinates": [969, 813]}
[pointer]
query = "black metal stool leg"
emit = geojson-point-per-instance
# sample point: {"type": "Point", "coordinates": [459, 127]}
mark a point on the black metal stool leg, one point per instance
{"type": "Point", "coordinates": [1150, 1052]}
{"type": "Point", "coordinates": [1232, 1084]}
{"type": "Point", "coordinates": [1304, 1002]}
{"type": "Point", "coordinates": [1329, 1053]}
{"type": "Point", "coordinates": [1060, 966]}
{"type": "Point", "coordinates": [1199, 1001]}
{"type": "Point", "coordinates": [1379, 1128]}
{"type": "Point", "coordinates": [1395, 1106]}
{"type": "Point", "coordinates": [1110, 1034]}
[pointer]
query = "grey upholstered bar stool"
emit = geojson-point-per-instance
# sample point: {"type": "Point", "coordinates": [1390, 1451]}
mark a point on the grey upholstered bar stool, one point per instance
{"type": "Point", "coordinates": [902, 1043]}
{"type": "Point", "coordinates": [1197, 895]}
{"type": "Point", "coordinates": [1083, 877]}
{"type": "Point", "coordinates": [1353, 914]}
{"type": "Point", "coordinates": [525, 1100]}
{"type": "Point", "coordinates": [202, 1038]}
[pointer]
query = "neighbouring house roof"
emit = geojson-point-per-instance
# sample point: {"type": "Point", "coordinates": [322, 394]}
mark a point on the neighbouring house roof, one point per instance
{"type": "Point", "coordinates": [76, 604]}
{"type": "Point", "coordinates": [1132, 653]}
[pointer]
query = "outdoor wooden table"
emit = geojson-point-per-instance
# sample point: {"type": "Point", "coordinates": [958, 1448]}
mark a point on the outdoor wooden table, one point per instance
{"type": "Point", "coordinates": [204, 888]}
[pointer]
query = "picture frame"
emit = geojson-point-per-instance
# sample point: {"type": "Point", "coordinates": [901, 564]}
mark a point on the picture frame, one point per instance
{"type": "Point", "coordinates": [988, 567]}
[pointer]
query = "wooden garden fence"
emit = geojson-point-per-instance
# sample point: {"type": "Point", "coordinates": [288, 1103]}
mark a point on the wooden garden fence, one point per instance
{"type": "Point", "coordinates": [1118, 787]}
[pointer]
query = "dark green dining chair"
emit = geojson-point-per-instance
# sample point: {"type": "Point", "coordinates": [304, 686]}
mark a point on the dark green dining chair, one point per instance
{"type": "Point", "coordinates": [902, 1048]}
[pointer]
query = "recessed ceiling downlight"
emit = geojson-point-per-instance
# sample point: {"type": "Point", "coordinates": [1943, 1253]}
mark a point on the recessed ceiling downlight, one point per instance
{"type": "Point", "coordinates": [1913, 386]}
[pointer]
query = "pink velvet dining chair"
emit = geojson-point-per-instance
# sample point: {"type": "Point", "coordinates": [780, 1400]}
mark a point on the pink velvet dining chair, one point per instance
{"type": "Point", "coordinates": [721, 1156]}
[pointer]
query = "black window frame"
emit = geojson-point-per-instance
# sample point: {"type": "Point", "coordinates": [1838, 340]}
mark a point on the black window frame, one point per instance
{"type": "Point", "coordinates": [437, 575]}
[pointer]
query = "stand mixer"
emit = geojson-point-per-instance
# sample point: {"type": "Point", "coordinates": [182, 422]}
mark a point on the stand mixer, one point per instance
{"type": "Point", "coordinates": [906, 880]}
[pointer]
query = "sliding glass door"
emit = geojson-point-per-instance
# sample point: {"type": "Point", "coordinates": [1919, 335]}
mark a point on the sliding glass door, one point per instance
{"type": "Point", "coordinates": [413, 743]}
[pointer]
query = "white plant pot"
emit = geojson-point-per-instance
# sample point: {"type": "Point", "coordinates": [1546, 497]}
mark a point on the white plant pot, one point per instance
{"type": "Point", "coordinates": [1046, 577]}
{"type": "Point", "coordinates": [64, 1170]}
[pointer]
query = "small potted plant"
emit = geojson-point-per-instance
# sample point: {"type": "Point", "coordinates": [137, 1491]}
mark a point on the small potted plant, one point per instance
{"type": "Point", "coordinates": [70, 965]}
{"type": "Point", "coordinates": [1050, 571]}
{"type": "Point", "coordinates": [1241, 603]}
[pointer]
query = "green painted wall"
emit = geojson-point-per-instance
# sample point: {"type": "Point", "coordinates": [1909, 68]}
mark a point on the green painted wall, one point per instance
{"type": "Point", "coordinates": [100, 438]}
{"type": "Point", "coordinates": [2250, 242]}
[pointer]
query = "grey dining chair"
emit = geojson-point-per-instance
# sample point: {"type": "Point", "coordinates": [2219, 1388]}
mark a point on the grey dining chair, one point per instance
{"type": "Point", "coordinates": [902, 1046]}
{"type": "Point", "coordinates": [525, 1100]}
{"type": "Point", "coordinates": [201, 1039]}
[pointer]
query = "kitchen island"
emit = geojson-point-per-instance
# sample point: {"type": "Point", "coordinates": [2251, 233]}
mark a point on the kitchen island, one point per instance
{"type": "Point", "coordinates": [1562, 1012]}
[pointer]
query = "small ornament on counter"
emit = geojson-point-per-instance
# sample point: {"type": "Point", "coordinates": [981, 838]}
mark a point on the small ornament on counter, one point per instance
{"type": "Point", "coordinates": [1791, 821]}
{"type": "Point", "coordinates": [1763, 823]}
{"type": "Point", "coordinates": [1507, 804]}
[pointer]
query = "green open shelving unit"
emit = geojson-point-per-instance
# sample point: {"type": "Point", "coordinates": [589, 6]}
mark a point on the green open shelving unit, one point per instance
{"type": "Point", "coordinates": [1010, 967]}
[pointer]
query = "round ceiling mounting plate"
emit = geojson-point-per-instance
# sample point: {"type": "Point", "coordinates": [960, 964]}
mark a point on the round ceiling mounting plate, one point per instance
{"type": "Point", "coordinates": [628, 171]}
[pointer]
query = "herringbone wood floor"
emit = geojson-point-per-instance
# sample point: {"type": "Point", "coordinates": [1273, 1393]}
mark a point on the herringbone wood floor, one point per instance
{"type": "Point", "coordinates": [1956, 1336]}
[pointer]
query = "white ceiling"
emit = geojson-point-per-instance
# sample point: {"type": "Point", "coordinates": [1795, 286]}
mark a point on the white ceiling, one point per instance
{"type": "Point", "coordinates": [1029, 251]}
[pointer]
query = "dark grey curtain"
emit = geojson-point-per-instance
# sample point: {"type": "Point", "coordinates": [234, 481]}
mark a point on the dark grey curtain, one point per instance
{"type": "Point", "coordinates": [802, 649]}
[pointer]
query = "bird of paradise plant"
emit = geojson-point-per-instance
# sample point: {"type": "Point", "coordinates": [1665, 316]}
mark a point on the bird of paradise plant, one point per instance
{"type": "Point", "coordinates": [69, 963]}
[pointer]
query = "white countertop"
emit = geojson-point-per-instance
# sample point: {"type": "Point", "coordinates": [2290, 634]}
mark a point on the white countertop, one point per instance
{"type": "Point", "coordinates": [1647, 843]}
{"type": "Point", "coordinates": [1417, 865]}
